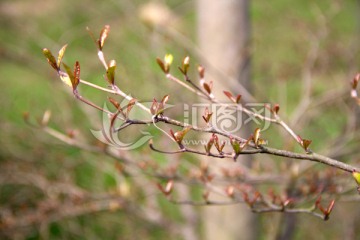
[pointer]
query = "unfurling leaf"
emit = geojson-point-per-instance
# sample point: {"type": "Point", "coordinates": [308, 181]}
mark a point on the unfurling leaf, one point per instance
{"type": "Point", "coordinates": [110, 72]}
{"type": "Point", "coordinates": [217, 144]}
{"type": "Point", "coordinates": [161, 64]}
{"type": "Point", "coordinates": [61, 55]}
{"type": "Point", "coordinates": [305, 144]}
{"type": "Point", "coordinates": [168, 59]}
{"type": "Point", "coordinates": [164, 100]}
{"type": "Point", "coordinates": [50, 58]}
{"type": "Point", "coordinates": [117, 106]}
{"type": "Point", "coordinates": [154, 107]}
{"type": "Point", "coordinates": [165, 65]}
{"type": "Point", "coordinates": [232, 98]}
{"type": "Point", "coordinates": [114, 102]}
{"type": "Point", "coordinates": [76, 75]}
{"type": "Point", "coordinates": [209, 145]}
{"type": "Point", "coordinates": [185, 65]}
{"type": "Point", "coordinates": [229, 95]}
{"type": "Point", "coordinates": [103, 35]}
{"type": "Point", "coordinates": [69, 73]}
{"type": "Point", "coordinates": [238, 98]}
{"type": "Point", "coordinates": [130, 106]}
{"type": "Point", "coordinates": [65, 78]}
{"type": "Point", "coordinates": [207, 115]}
{"type": "Point", "coordinates": [256, 136]}
{"type": "Point", "coordinates": [236, 145]}
{"type": "Point", "coordinates": [326, 211]}
{"type": "Point", "coordinates": [179, 136]}
{"type": "Point", "coordinates": [158, 107]}
{"type": "Point", "coordinates": [73, 76]}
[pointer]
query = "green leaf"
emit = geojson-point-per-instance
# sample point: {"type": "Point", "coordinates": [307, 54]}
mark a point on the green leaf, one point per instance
{"type": "Point", "coordinates": [73, 76]}
{"type": "Point", "coordinates": [69, 72]}
{"type": "Point", "coordinates": [110, 73]}
{"type": "Point", "coordinates": [50, 58]}
{"type": "Point", "coordinates": [356, 176]}
{"type": "Point", "coordinates": [61, 55]}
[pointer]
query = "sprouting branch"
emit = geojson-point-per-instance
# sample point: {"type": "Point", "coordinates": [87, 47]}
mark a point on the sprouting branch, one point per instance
{"type": "Point", "coordinates": [241, 145]}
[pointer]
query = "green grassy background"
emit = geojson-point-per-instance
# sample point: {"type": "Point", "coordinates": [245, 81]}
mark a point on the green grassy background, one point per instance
{"type": "Point", "coordinates": [282, 33]}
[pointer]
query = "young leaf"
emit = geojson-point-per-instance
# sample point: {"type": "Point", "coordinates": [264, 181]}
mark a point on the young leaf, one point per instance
{"type": "Point", "coordinates": [164, 100]}
{"type": "Point", "coordinates": [178, 136]}
{"type": "Point", "coordinates": [238, 98]}
{"type": "Point", "coordinates": [229, 95]}
{"type": "Point", "coordinates": [114, 102]}
{"type": "Point", "coordinates": [356, 176]}
{"type": "Point", "coordinates": [110, 72]}
{"type": "Point", "coordinates": [161, 64]}
{"type": "Point", "coordinates": [103, 35]}
{"type": "Point", "coordinates": [201, 71]}
{"type": "Point", "coordinates": [60, 56]}
{"type": "Point", "coordinates": [168, 59]}
{"type": "Point", "coordinates": [50, 58]}
{"type": "Point", "coordinates": [256, 136]}
{"type": "Point", "coordinates": [73, 76]}
{"type": "Point", "coordinates": [236, 146]}
{"type": "Point", "coordinates": [276, 108]}
{"type": "Point", "coordinates": [65, 78]}
{"type": "Point", "coordinates": [305, 144]}
{"type": "Point", "coordinates": [69, 73]}
{"type": "Point", "coordinates": [217, 144]}
{"type": "Point", "coordinates": [130, 106]}
{"type": "Point", "coordinates": [209, 145]}
{"type": "Point", "coordinates": [207, 115]}
{"type": "Point", "coordinates": [154, 107]}
{"type": "Point", "coordinates": [117, 106]}
{"type": "Point", "coordinates": [185, 65]}
{"type": "Point", "coordinates": [329, 209]}
{"type": "Point", "coordinates": [167, 62]}
{"type": "Point", "coordinates": [207, 87]}
{"type": "Point", "coordinates": [76, 75]}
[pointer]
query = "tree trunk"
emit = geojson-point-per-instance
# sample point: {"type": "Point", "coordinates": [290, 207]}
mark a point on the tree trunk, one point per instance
{"type": "Point", "coordinates": [223, 37]}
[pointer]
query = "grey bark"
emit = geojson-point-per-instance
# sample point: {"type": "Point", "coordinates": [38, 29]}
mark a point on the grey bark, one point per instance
{"type": "Point", "coordinates": [223, 37]}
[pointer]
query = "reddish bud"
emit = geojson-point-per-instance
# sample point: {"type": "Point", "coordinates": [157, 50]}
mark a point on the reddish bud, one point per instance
{"type": "Point", "coordinates": [201, 71]}
{"type": "Point", "coordinates": [276, 108]}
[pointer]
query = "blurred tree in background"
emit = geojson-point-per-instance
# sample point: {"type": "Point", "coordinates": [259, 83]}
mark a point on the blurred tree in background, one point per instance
{"type": "Point", "coordinates": [304, 55]}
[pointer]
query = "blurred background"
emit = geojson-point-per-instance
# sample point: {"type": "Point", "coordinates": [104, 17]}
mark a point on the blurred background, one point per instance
{"type": "Point", "coordinates": [303, 56]}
